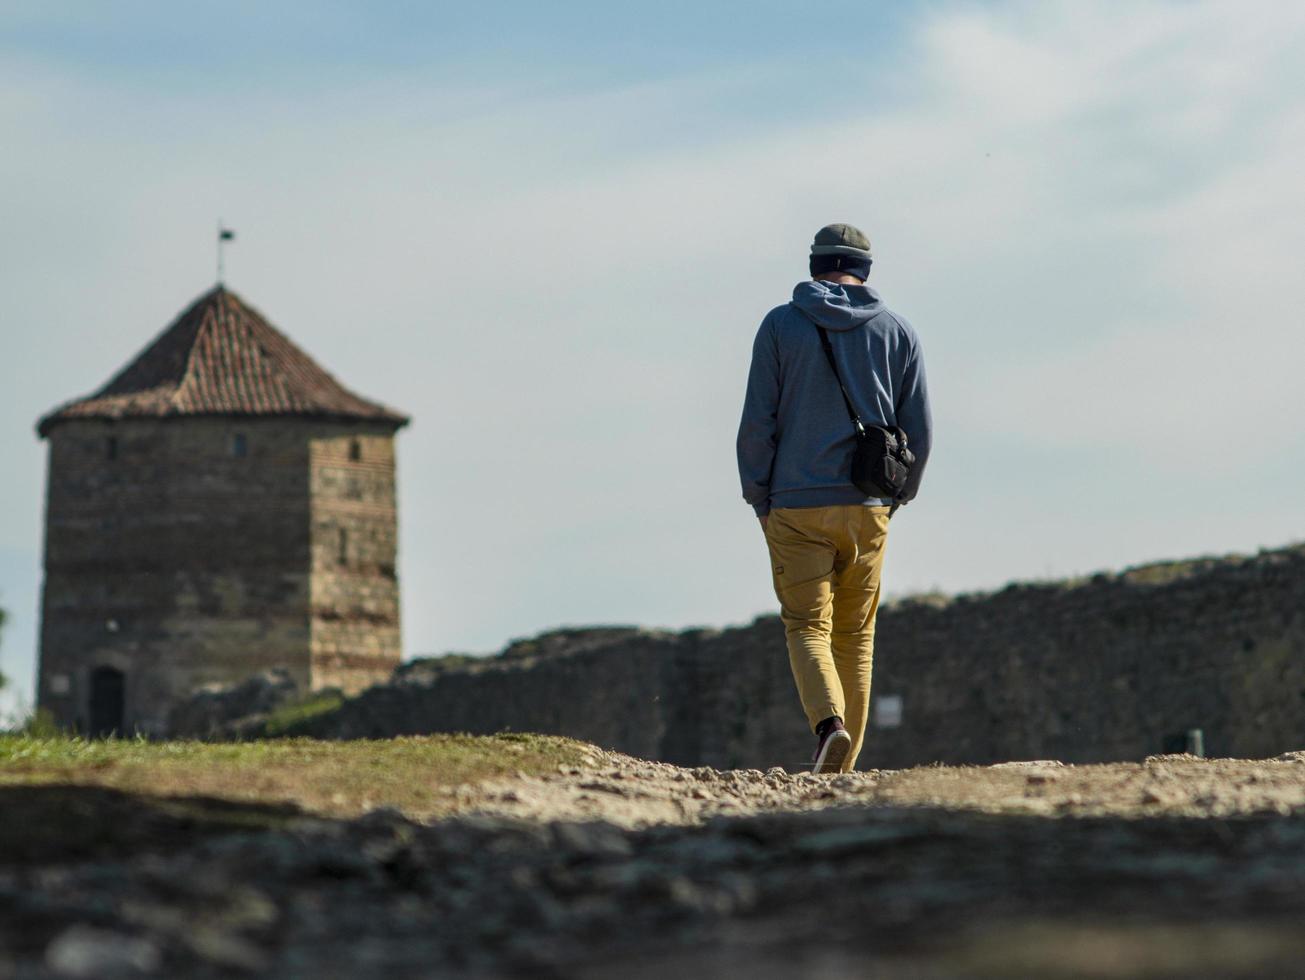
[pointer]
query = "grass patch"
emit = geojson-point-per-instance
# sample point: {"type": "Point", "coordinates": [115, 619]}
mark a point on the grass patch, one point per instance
{"type": "Point", "coordinates": [297, 718]}
{"type": "Point", "coordinates": [412, 774]}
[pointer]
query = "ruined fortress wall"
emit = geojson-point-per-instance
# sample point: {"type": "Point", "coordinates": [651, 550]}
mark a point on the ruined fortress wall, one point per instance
{"type": "Point", "coordinates": [610, 700]}
{"type": "Point", "coordinates": [171, 558]}
{"type": "Point", "coordinates": [1109, 668]}
{"type": "Point", "coordinates": [1117, 667]}
{"type": "Point", "coordinates": [354, 624]}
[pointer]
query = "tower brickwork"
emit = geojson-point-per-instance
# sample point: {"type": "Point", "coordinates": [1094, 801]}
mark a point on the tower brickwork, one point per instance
{"type": "Point", "coordinates": [353, 589]}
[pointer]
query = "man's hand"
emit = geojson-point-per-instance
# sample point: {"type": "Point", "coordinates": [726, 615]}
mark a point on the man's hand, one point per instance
{"type": "Point", "coordinates": [763, 522]}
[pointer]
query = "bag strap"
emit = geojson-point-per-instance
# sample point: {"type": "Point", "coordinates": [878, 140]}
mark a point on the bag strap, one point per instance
{"type": "Point", "coordinates": [847, 400]}
{"type": "Point", "coordinates": [898, 433]}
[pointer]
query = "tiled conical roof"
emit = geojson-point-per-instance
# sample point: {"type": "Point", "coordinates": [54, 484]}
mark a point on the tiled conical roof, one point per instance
{"type": "Point", "coordinates": [221, 357]}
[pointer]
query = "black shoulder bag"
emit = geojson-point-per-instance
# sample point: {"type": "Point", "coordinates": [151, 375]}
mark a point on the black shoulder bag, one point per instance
{"type": "Point", "coordinates": [881, 463]}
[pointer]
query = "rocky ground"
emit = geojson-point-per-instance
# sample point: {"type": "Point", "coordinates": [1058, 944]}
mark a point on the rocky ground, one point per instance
{"type": "Point", "coordinates": [1176, 867]}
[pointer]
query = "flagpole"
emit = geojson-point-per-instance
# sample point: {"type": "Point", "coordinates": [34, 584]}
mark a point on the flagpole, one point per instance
{"type": "Point", "coordinates": [224, 235]}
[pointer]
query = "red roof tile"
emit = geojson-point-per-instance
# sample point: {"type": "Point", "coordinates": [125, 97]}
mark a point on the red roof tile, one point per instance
{"type": "Point", "coordinates": [221, 357]}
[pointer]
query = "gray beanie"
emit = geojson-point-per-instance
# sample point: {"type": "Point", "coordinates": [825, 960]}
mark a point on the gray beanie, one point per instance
{"type": "Point", "coordinates": [840, 248]}
{"type": "Point", "coordinates": [841, 239]}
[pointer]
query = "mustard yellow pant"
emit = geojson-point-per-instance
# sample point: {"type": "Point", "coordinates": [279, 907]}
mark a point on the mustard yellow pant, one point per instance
{"type": "Point", "coordinates": [825, 562]}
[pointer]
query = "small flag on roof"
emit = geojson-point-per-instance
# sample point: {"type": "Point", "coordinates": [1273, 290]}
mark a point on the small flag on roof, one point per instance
{"type": "Point", "coordinates": [224, 235]}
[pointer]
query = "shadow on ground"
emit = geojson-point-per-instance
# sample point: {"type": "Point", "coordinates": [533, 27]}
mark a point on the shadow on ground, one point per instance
{"type": "Point", "coordinates": [98, 883]}
{"type": "Point", "coordinates": [62, 824]}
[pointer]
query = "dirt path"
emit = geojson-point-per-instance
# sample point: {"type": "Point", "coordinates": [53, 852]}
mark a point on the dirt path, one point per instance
{"type": "Point", "coordinates": [635, 793]}
{"type": "Point", "coordinates": [1176, 867]}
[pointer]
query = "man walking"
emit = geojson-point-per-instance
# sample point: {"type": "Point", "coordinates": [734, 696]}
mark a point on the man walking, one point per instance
{"type": "Point", "coordinates": [795, 445]}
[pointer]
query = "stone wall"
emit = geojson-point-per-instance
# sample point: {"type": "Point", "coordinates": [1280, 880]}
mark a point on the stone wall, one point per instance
{"type": "Point", "coordinates": [1110, 668]}
{"type": "Point", "coordinates": [185, 552]}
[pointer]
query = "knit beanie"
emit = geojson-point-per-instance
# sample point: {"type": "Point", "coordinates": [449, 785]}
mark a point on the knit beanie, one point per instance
{"type": "Point", "coordinates": [841, 248]}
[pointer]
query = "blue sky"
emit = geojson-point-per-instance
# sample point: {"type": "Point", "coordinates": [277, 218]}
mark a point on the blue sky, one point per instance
{"type": "Point", "coordinates": [552, 230]}
{"type": "Point", "coordinates": [621, 40]}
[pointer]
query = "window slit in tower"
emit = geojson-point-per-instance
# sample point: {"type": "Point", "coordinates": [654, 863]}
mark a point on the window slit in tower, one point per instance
{"type": "Point", "coordinates": [342, 554]}
{"type": "Point", "coordinates": [355, 450]}
{"type": "Point", "coordinates": [239, 445]}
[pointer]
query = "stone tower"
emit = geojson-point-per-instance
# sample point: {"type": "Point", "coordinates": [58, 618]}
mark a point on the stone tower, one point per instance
{"type": "Point", "coordinates": [222, 506]}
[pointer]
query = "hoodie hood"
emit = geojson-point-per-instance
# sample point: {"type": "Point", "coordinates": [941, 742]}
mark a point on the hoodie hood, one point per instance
{"type": "Point", "coordinates": [835, 306]}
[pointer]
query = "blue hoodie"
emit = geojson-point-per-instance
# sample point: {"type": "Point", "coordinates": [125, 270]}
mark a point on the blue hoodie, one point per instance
{"type": "Point", "coordinates": [795, 441]}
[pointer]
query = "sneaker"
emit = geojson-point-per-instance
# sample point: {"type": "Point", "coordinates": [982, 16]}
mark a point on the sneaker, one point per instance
{"type": "Point", "coordinates": [833, 747]}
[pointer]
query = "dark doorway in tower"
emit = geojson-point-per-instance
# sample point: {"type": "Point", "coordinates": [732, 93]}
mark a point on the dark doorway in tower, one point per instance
{"type": "Point", "coordinates": [108, 687]}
